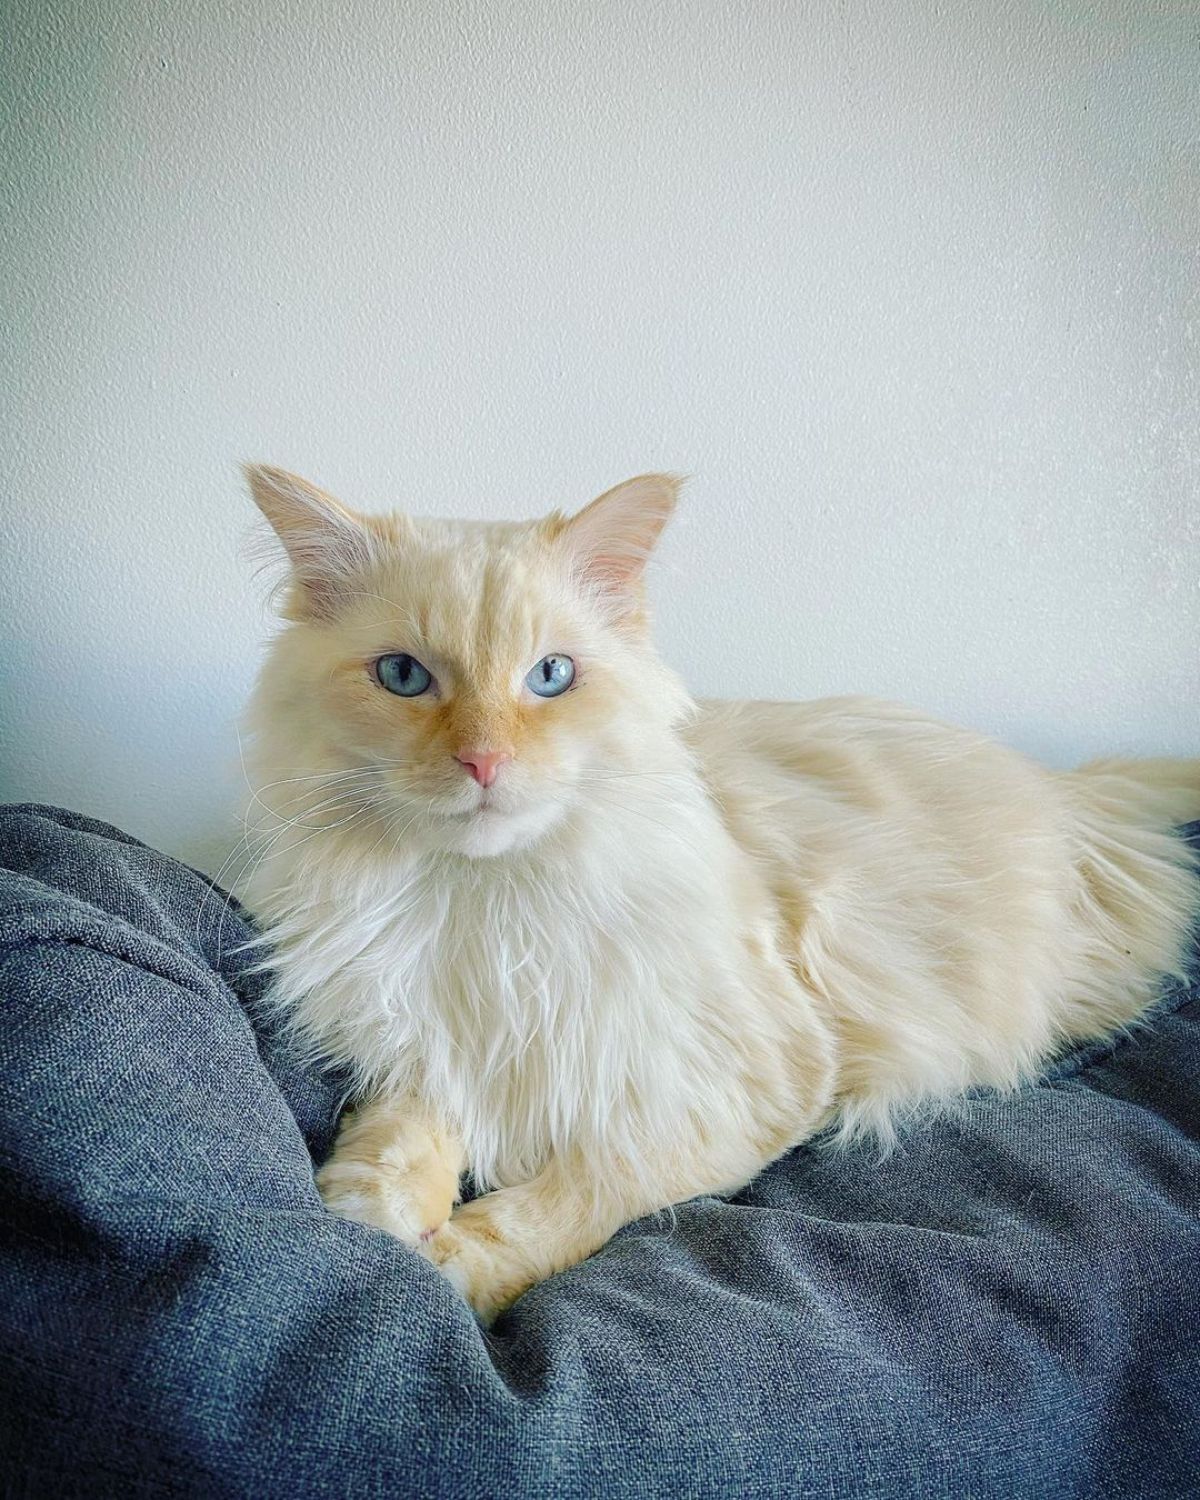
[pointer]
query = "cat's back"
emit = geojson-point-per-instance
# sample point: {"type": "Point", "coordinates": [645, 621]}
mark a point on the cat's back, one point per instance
{"type": "Point", "coordinates": [862, 754]}
{"type": "Point", "coordinates": [868, 815]}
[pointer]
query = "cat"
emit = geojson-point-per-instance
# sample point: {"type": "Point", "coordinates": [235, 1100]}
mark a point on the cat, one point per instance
{"type": "Point", "coordinates": [608, 948]}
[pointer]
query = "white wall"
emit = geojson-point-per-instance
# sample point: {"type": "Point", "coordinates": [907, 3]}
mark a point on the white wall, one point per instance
{"type": "Point", "coordinates": [909, 288]}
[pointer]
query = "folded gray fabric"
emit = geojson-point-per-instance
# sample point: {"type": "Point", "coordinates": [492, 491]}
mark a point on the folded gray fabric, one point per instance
{"type": "Point", "coordinates": [1005, 1306]}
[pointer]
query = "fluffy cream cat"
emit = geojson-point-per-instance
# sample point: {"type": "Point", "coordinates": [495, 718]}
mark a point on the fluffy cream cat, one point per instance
{"type": "Point", "coordinates": [609, 948]}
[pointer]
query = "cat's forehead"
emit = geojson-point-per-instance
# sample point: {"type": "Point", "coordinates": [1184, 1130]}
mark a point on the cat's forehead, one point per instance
{"type": "Point", "coordinates": [470, 538]}
{"type": "Point", "coordinates": [477, 591]}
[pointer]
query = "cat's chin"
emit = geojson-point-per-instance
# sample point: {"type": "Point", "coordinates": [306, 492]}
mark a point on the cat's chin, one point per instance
{"type": "Point", "coordinates": [488, 831]}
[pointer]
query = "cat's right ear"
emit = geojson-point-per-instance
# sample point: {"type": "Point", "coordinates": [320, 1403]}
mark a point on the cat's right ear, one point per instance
{"type": "Point", "coordinates": [328, 545]}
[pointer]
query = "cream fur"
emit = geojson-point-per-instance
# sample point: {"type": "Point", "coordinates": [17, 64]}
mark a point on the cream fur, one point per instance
{"type": "Point", "coordinates": [679, 938]}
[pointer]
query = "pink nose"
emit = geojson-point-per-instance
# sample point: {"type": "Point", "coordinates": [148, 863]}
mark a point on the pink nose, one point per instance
{"type": "Point", "coordinates": [483, 764]}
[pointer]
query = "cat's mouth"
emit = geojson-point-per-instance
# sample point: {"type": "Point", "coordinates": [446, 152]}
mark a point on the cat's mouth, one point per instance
{"type": "Point", "coordinates": [496, 824]}
{"type": "Point", "coordinates": [485, 805]}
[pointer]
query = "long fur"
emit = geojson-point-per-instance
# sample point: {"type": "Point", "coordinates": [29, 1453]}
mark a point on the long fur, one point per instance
{"type": "Point", "coordinates": [687, 935]}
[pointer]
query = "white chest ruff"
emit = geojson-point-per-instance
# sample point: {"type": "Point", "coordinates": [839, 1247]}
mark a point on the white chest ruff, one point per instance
{"type": "Point", "coordinates": [540, 1015]}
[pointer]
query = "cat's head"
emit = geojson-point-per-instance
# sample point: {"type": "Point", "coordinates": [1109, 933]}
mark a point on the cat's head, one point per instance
{"type": "Point", "coordinates": [469, 681]}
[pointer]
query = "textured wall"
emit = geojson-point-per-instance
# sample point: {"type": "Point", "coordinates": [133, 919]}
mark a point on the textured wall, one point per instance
{"type": "Point", "coordinates": [910, 289]}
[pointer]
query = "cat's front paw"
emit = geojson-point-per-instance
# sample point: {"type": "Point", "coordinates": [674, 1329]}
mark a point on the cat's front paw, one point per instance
{"type": "Point", "coordinates": [413, 1206]}
{"type": "Point", "coordinates": [489, 1273]}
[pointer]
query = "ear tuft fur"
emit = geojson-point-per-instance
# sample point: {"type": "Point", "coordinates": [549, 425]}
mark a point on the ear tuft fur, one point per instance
{"type": "Point", "coordinates": [327, 543]}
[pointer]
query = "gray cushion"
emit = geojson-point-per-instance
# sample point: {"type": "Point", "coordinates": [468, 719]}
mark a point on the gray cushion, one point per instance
{"type": "Point", "coordinates": [1007, 1305]}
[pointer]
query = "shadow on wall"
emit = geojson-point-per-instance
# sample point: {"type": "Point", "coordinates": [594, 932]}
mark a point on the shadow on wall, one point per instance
{"type": "Point", "coordinates": [111, 738]}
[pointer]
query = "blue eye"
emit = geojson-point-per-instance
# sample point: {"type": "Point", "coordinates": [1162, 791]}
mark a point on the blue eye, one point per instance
{"type": "Point", "coordinates": [551, 676]}
{"type": "Point", "coordinates": [403, 675]}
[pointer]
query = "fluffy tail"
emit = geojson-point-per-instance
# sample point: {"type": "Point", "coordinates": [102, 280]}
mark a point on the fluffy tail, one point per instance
{"type": "Point", "coordinates": [1137, 897]}
{"type": "Point", "coordinates": [1165, 792]}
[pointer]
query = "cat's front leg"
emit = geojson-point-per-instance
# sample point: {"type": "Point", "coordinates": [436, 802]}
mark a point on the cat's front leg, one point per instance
{"type": "Point", "coordinates": [500, 1245]}
{"type": "Point", "coordinates": [394, 1166]}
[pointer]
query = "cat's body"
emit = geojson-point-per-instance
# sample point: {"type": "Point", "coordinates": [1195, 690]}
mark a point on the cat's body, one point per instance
{"type": "Point", "coordinates": [692, 936]}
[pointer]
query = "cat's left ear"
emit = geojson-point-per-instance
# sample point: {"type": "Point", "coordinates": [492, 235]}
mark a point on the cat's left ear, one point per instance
{"type": "Point", "coordinates": [328, 545]}
{"type": "Point", "coordinates": [612, 538]}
